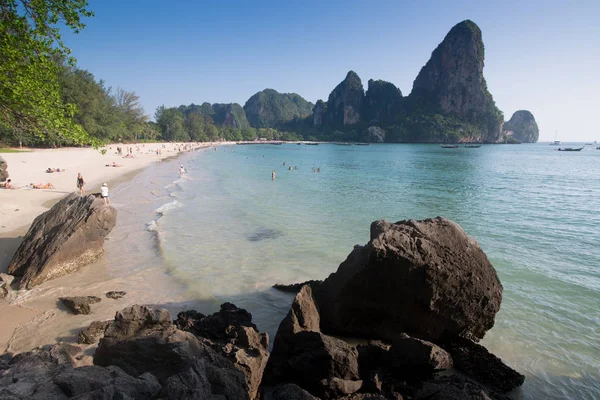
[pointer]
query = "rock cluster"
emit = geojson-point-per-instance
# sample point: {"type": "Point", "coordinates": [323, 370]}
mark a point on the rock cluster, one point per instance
{"type": "Point", "coordinates": [416, 297]}
{"type": "Point", "coordinates": [80, 304]}
{"type": "Point", "coordinates": [522, 127]}
{"type": "Point", "coordinates": [420, 293]}
{"type": "Point", "coordinates": [3, 170]}
{"type": "Point", "coordinates": [62, 240]}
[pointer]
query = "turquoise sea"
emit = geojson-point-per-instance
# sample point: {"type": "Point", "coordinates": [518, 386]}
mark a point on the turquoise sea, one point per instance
{"type": "Point", "coordinates": [227, 232]}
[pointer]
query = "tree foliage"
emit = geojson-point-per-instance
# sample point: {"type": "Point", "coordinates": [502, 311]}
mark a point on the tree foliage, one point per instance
{"type": "Point", "coordinates": [30, 98]}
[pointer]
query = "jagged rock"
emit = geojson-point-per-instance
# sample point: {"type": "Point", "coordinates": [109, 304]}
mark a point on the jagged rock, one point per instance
{"type": "Point", "coordinates": [372, 356]}
{"type": "Point", "coordinates": [215, 326]}
{"type": "Point", "coordinates": [115, 295]}
{"type": "Point", "coordinates": [63, 239]}
{"type": "Point", "coordinates": [375, 134]}
{"type": "Point", "coordinates": [141, 340]}
{"type": "Point", "coordinates": [452, 82]}
{"type": "Point", "coordinates": [93, 382]}
{"type": "Point", "coordinates": [295, 287]}
{"type": "Point", "coordinates": [303, 316]}
{"type": "Point", "coordinates": [315, 357]}
{"type": "Point", "coordinates": [92, 333]}
{"type": "Point", "coordinates": [345, 102]}
{"type": "Point", "coordinates": [478, 363]}
{"type": "Point", "coordinates": [236, 337]}
{"type": "Point", "coordinates": [454, 387]}
{"type": "Point", "coordinates": [522, 127]}
{"type": "Point", "coordinates": [206, 378]}
{"type": "Point", "coordinates": [271, 109]}
{"type": "Point", "coordinates": [79, 304]}
{"type": "Point", "coordinates": [416, 357]}
{"type": "Point", "coordinates": [426, 278]}
{"type": "Point", "coordinates": [335, 387]}
{"type": "Point", "coordinates": [289, 391]}
{"type": "Point", "coordinates": [319, 110]}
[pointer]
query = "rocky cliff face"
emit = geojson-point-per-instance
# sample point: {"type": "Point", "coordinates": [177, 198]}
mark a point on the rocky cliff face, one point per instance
{"type": "Point", "coordinates": [270, 109]}
{"type": "Point", "coordinates": [522, 126]}
{"type": "Point", "coordinates": [345, 102]}
{"type": "Point", "coordinates": [452, 81]}
{"type": "Point", "coordinates": [383, 101]}
{"type": "Point", "coordinates": [318, 111]}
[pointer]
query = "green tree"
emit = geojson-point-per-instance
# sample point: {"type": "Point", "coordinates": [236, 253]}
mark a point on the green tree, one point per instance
{"type": "Point", "coordinates": [30, 97]}
{"type": "Point", "coordinates": [134, 116]}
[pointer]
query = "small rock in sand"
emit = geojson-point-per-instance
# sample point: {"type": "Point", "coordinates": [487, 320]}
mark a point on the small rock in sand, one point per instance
{"type": "Point", "coordinates": [115, 295]}
{"type": "Point", "coordinates": [80, 304]}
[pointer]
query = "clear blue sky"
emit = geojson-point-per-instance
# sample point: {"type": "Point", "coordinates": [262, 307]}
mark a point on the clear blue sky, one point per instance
{"type": "Point", "coordinates": [543, 56]}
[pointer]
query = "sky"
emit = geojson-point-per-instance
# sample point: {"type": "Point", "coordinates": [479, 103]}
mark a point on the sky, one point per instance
{"type": "Point", "coordinates": [541, 56]}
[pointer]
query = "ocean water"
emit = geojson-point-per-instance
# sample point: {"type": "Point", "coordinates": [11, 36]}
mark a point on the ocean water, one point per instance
{"type": "Point", "coordinates": [227, 232]}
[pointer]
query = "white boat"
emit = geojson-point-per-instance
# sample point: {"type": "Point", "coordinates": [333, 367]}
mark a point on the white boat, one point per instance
{"type": "Point", "coordinates": [555, 142]}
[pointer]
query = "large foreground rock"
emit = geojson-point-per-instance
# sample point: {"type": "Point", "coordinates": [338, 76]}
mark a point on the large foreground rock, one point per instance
{"type": "Point", "coordinates": [63, 239]}
{"type": "Point", "coordinates": [424, 278]}
{"type": "Point", "coordinates": [231, 333]}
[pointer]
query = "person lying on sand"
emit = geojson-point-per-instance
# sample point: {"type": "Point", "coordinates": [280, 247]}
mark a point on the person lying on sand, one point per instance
{"type": "Point", "coordinates": [114, 164]}
{"type": "Point", "coordinates": [7, 185]}
{"type": "Point", "coordinates": [48, 185]}
{"type": "Point", "coordinates": [51, 170]}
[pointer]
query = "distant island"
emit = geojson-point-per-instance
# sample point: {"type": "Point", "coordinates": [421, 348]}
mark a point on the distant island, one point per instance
{"type": "Point", "coordinates": [449, 103]}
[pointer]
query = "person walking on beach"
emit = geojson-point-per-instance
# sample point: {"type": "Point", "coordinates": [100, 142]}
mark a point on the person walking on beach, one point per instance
{"type": "Point", "coordinates": [80, 184]}
{"type": "Point", "coordinates": [104, 194]}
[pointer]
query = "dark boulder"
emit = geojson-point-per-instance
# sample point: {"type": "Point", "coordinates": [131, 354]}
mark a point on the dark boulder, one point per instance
{"type": "Point", "coordinates": [232, 333]}
{"type": "Point", "coordinates": [316, 357]}
{"type": "Point", "coordinates": [335, 388]}
{"type": "Point", "coordinates": [215, 326]}
{"type": "Point", "coordinates": [79, 304]}
{"type": "Point", "coordinates": [142, 340]}
{"type": "Point", "coordinates": [454, 387]}
{"type": "Point", "coordinates": [289, 391]}
{"type": "Point", "coordinates": [295, 287]}
{"type": "Point", "coordinates": [63, 239]}
{"type": "Point", "coordinates": [92, 333]}
{"type": "Point", "coordinates": [212, 377]}
{"type": "Point", "coordinates": [115, 295]}
{"type": "Point", "coordinates": [416, 358]}
{"type": "Point", "coordinates": [303, 316]}
{"type": "Point", "coordinates": [426, 278]}
{"type": "Point", "coordinates": [478, 363]}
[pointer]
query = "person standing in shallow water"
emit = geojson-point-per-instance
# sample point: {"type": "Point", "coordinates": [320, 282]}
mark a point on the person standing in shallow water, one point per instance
{"type": "Point", "coordinates": [273, 175]}
{"type": "Point", "coordinates": [80, 184]}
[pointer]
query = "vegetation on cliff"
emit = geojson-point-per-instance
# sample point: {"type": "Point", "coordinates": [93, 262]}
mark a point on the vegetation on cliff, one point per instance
{"type": "Point", "coordinates": [271, 109]}
{"type": "Point", "coordinates": [522, 127]}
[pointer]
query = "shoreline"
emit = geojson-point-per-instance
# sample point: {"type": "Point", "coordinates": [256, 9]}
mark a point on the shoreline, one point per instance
{"type": "Point", "coordinates": [36, 202]}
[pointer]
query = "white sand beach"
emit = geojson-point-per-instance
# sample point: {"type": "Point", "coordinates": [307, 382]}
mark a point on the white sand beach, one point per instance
{"type": "Point", "coordinates": [20, 206]}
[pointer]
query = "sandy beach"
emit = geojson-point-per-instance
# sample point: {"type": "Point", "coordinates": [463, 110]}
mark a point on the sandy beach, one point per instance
{"type": "Point", "coordinates": [19, 207]}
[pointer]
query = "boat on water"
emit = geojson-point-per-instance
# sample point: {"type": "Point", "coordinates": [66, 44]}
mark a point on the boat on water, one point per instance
{"type": "Point", "coordinates": [277, 143]}
{"type": "Point", "coordinates": [299, 144]}
{"type": "Point", "coordinates": [449, 146]}
{"type": "Point", "coordinates": [311, 144]}
{"type": "Point", "coordinates": [555, 143]}
{"type": "Point", "coordinates": [472, 146]}
{"type": "Point", "coordinates": [570, 148]}
{"type": "Point", "coordinates": [362, 144]}
{"type": "Point", "coordinates": [343, 144]}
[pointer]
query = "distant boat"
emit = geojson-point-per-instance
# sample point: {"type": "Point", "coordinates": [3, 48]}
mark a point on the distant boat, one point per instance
{"type": "Point", "coordinates": [311, 144]}
{"type": "Point", "coordinates": [299, 144]}
{"type": "Point", "coordinates": [555, 142]}
{"type": "Point", "coordinates": [362, 144]}
{"type": "Point", "coordinates": [472, 146]}
{"type": "Point", "coordinates": [277, 143]}
{"type": "Point", "coordinates": [343, 144]}
{"type": "Point", "coordinates": [570, 148]}
{"type": "Point", "coordinates": [449, 146]}
{"type": "Point", "coordinates": [589, 144]}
